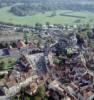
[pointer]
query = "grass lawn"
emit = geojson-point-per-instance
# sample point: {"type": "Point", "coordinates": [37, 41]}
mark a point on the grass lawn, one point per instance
{"type": "Point", "coordinates": [8, 62]}
{"type": "Point", "coordinates": [6, 16]}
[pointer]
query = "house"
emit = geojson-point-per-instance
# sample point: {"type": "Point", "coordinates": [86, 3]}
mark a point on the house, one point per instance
{"type": "Point", "coordinates": [37, 61]}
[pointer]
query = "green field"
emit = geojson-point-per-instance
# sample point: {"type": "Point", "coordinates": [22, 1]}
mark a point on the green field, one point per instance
{"type": "Point", "coordinates": [6, 16]}
{"type": "Point", "coordinates": [6, 63]}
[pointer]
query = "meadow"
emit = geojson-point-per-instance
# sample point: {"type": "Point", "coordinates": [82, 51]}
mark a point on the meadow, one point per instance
{"type": "Point", "coordinates": [6, 16]}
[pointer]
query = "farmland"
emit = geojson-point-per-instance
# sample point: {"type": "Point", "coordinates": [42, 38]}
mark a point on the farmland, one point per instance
{"type": "Point", "coordinates": [61, 17]}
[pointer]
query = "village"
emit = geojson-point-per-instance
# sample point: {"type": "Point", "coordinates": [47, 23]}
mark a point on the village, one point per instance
{"type": "Point", "coordinates": [58, 57]}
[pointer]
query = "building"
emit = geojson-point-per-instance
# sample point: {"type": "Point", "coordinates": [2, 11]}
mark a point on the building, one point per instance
{"type": "Point", "coordinates": [9, 37]}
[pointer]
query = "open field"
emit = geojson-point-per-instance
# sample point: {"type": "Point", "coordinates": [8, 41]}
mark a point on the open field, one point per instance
{"type": "Point", "coordinates": [6, 16]}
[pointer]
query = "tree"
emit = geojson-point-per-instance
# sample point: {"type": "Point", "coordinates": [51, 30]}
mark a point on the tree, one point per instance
{"type": "Point", "coordinates": [38, 26]}
{"type": "Point", "coordinates": [56, 61]}
{"type": "Point", "coordinates": [2, 65]}
{"type": "Point", "coordinates": [26, 38]}
{"type": "Point", "coordinates": [88, 26]}
{"type": "Point", "coordinates": [22, 94]}
{"type": "Point", "coordinates": [48, 24]}
{"type": "Point", "coordinates": [41, 92]}
{"type": "Point", "coordinates": [50, 40]}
